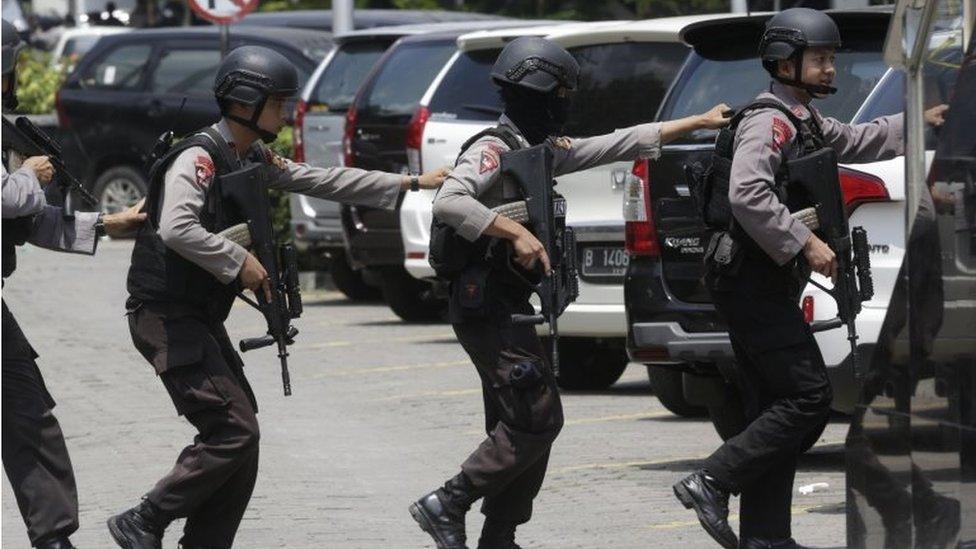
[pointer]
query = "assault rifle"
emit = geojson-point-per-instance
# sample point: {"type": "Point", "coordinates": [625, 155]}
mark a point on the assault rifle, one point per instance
{"type": "Point", "coordinates": [246, 190]}
{"type": "Point", "coordinates": [818, 180]}
{"type": "Point", "coordinates": [27, 139]}
{"type": "Point", "coordinates": [545, 214]}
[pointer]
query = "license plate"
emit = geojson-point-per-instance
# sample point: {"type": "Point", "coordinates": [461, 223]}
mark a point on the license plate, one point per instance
{"type": "Point", "coordinates": [604, 261]}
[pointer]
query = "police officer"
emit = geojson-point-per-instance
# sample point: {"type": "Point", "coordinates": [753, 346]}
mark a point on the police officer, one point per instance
{"type": "Point", "coordinates": [782, 376]}
{"type": "Point", "coordinates": [35, 457]}
{"type": "Point", "coordinates": [536, 78]}
{"type": "Point", "coordinates": [182, 282]}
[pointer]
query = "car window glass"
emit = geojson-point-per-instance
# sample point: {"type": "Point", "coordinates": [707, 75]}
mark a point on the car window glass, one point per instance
{"type": "Point", "coordinates": [466, 92]}
{"type": "Point", "coordinates": [339, 82]}
{"type": "Point", "coordinates": [887, 100]}
{"type": "Point", "coordinates": [186, 72]}
{"type": "Point", "coordinates": [79, 45]}
{"type": "Point", "coordinates": [121, 69]}
{"type": "Point", "coordinates": [621, 84]}
{"type": "Point", "coordinates": [738, 81]}
{"type": "Point", "coordinates": [405, 77]}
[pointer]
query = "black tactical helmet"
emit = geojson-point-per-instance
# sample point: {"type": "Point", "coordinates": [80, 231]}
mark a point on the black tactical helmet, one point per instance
{"type": "Point", "coordinates": [790, 32]}
{"type": "Point", "coordinates": [250, 75]}
{"type": "Point", "coordinates": [536, 64]}
{"type": "Point", "coordinates": [11, 48]}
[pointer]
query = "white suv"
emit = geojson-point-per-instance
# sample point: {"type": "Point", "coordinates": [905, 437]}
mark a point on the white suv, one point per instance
{"type": "Point", "coordinates": [626, 68]}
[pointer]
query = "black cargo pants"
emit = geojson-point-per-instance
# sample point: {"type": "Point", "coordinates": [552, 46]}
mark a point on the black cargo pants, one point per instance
{"type": "Point", "coordinates": [35, 457]}
{"type": "Point", "coordinates": [522, 416]}
{"type": "Point", "coordinates": [784, 386]}
{"type": "Point", "coordinates": [212, 480]}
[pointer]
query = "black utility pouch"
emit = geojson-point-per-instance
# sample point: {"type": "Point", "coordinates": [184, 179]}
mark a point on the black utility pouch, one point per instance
{"type": "Point", "coordinates": [723, 255]}
{"type": "Point", "coordinates": [525, 375]}
{"type": "Point", "coordinates": [469, 292]}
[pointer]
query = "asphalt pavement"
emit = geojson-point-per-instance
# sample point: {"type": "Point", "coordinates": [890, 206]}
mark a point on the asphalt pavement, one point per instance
{"type": "Point", "coordinates": [382, 412]}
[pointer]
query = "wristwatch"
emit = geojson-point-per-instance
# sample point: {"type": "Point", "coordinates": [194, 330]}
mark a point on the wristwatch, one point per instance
{"type": "Point", "coordinates": [100, 225]}
{"type": "Point", "coordinates": [414, 183]}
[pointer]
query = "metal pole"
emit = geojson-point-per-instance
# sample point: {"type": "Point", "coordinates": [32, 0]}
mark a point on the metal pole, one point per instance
{"type": "Point", "coordinates": [224, 40]}
{"type": "Point", "coordinates": [342, 16]}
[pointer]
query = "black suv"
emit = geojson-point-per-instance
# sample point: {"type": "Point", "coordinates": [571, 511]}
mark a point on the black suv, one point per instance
{"type": "Point", "coordinates": [672, 324]}
{"type": "Point", "coordinates": [129, 88]}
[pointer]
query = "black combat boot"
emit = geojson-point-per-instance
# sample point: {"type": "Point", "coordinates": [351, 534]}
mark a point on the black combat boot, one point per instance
{"type": "Point", "coordinates": [761, 543]}
{"type": "Point", "coordinates": [441, 512]}
{"type": "Point", "coordinates": [58, 542]}
{"type": "Point", "coordinates": [710, 501]}
{"type": "Point", "coordinates": [141, 527]}
{"type": "Point", "coordinates": [498, 534]}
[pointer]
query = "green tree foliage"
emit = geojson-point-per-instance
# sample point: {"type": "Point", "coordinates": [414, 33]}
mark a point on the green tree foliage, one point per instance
{"type": "Point", "coordinates": [279, 199]}
{"type": "Point", "coordinates": [37, 82]}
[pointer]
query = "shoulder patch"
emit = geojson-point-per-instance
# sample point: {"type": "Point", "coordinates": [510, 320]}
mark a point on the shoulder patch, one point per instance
{"type": "Point", "coordinates": [563, 142]}
{"type": "Point", "coordinates": [205, 170]}
{"type": "Point", "coordinates": [799, 111]}
{"type": "Point", "coordinates": [782, 134]}
{"type": "Point", "coordinates": [490, 158]}
{"type": "Point", "coordinates": [274, 159]}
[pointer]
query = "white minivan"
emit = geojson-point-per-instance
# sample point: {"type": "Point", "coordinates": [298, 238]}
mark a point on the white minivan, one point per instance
{"type": "Point", "coordinates": [626, 69]}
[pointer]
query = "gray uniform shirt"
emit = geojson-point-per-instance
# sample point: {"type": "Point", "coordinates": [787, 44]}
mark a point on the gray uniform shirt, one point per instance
{"type": "Point", "coordinates": [188, 177]}
{"type": "Point", "coordinates": [765, 137]}
{"type": "Point", "coordinates": [470, 191]}
{"type": "Point", "coordinates": [23, 196]}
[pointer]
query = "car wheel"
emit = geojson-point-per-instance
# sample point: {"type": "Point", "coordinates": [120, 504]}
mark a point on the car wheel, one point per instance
{"type": "Point", "coordinates": [588, 365]}
{"type": "Point", "coordinates": [667, 385]}
{"type": "Point", "coordinates": [729, 418]}
{"type": "Point", "coordinates": [410, 299]}
{"type": "Point", "coordinates": [118, 188]}
{"type": "Point", "coordinates": [350, 281]}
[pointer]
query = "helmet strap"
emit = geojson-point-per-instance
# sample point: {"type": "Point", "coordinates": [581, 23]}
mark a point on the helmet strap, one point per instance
{"type": "Point", "coordinates": [252, 123]}
{"type": "Point", "coordinates": [797, 81]}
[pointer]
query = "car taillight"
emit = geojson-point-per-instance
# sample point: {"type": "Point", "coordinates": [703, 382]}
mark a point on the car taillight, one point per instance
{"type": "Point", "coordinates": [807, 307]}
{"type": "Point", "coordinates": [415, 136]}
{"type": "Point", "coordinates": [298, 139]}
{"type": "Point", "coordinates": [350, 131]}
{"type": "Point", "coordinates": [641, 234]}
{"type": "Point", "coordinates": [63, 121]}
{"type": "Point", "coordinates": [858, 188]}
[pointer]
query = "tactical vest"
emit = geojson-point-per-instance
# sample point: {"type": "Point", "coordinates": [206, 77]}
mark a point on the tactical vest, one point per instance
{"type": "Point", "coordinates": [709, 186]}
{"type": "Point", "coordinates": [158, 273]}
{"type": "Point", "coordinates": [449, 252]}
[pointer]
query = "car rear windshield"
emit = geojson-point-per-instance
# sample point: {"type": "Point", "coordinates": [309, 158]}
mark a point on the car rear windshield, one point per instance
{"type": "Point", "coordinates": [621, 84]}
{"type": "Point", "coordinates": [466, 92]}
{"type": "Point", "coordinates": [736, 82]}
{"type": "Point", "coordinates": [340, 80]}
{"type": "Point", "coordinates": [404, 78]}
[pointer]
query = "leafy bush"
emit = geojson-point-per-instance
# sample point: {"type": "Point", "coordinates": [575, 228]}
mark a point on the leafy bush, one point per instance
{"type": "Point", "coordinates": [37, 82]}
{"type": "Point", "coordinates": [279, 200]}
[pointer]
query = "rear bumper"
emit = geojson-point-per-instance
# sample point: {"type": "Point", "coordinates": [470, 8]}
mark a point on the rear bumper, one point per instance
{"type": "Point", "coordinates": [680, 344]}
{"type": "Point", "coordinates": [370, 246]}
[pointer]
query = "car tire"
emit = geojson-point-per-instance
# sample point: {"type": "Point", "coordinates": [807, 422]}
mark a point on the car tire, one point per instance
{"type": "Point", "coordinates": [118, 188]}
{"type": "Point", "coordinates": [410, 299]}
{"type": "Point", "coordinates": [588, 366]}
{"type": "Point", "coordinates": [728, 418]}
{"type": "Point", "coordinates": [350, 281]}
{"type": "Point", "coordinates": [667, 386]}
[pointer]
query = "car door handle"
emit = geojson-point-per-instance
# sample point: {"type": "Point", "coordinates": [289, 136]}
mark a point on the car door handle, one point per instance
{"type": "Point", "coordinates": [618, 178]}
{"type": "Point", "coordinates": [156, 109]}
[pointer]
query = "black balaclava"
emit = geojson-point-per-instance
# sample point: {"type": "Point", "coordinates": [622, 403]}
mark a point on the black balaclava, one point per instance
{"type": "Point", "coordinates": [537, 115]}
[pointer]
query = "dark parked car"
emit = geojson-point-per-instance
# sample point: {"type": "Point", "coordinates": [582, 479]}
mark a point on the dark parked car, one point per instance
{"type": "Point", "coordinates": [672, 324]}
{"type": "Point", "coordinates": [130, 87]}
{"type": "Point", "coordinates": [361, 19]}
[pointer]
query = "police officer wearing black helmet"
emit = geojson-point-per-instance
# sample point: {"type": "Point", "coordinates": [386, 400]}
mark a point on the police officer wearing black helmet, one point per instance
{"type": "Point", "coordinates": [781, 374]}
{"type": "Point", "coordinates": [523, 414]}
{"type": "Point", "coordinates": [182, 282]}
{"type": "Point", "coordinates": [35, 457]}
